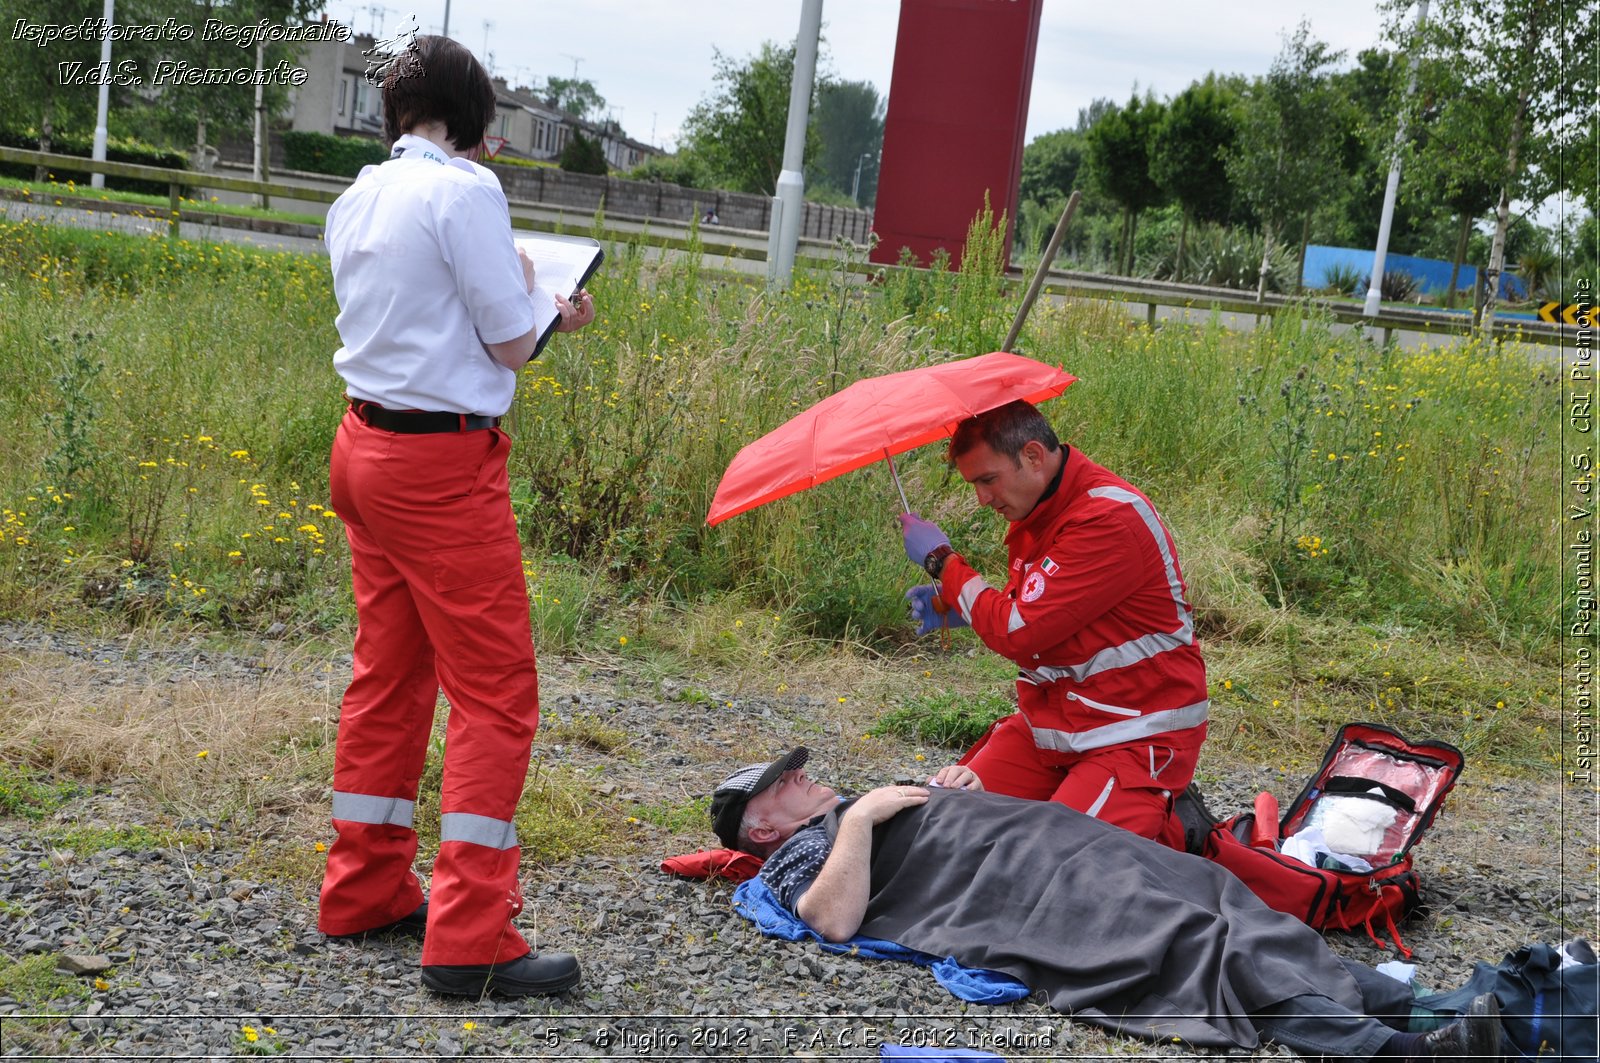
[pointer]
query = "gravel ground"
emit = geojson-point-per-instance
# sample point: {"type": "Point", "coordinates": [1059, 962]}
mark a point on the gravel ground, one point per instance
{"type": "Point", "coordinates": [202, 944]}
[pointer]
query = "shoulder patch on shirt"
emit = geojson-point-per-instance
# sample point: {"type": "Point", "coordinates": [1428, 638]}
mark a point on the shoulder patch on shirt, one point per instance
{"type": "Point", "coordinates": [1033, 586]}
{"type": "Point", "coordinates": [1050, 567]}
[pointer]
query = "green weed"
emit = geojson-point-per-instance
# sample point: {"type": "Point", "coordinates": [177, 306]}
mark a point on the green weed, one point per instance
{"type": "Point", "coordinates": [561, 815]}
{"type": "Point", "coordinates": [33, 981]}
{"type": "Point", "coordinates": [946, 718]}
{"type": "Point", "coordinates": [687, 817]}
{"type": "Point", "coordinates": [29, 794]}
{"type": "Point", "coordinates": [588, 730]}
{"type": "Point", "coordinates": [86, 840]}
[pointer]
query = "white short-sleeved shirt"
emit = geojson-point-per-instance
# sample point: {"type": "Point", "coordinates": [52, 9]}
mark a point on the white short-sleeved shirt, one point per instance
{"type": "Point", "coordinates": [426, 273]}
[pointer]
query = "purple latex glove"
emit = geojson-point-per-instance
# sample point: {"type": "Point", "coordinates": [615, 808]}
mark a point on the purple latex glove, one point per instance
{"type": "Point", "coordinates": [930, 619]}
{"type": "Point", "coordinates": [920, 537]}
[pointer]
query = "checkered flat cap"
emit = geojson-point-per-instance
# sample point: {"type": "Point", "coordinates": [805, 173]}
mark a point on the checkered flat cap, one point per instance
{"type": "Point", "coordinates": [728, 800]}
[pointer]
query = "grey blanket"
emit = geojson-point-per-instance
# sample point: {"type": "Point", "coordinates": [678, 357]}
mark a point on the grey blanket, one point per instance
{"type": "Point", "coordinates": [1114, 929]}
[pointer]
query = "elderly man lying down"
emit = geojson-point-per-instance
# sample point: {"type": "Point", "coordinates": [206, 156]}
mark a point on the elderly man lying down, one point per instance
{"type": "Point", "coordinates": [1113, 928]}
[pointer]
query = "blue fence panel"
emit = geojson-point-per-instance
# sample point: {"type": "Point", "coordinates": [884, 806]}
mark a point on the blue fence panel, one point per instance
{"type": "Point", "coordinates": [1432, 274]}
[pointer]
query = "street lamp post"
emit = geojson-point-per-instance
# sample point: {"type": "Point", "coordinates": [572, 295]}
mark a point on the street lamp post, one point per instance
{"type": "Point", "coordinates": [1392, 189]}
{"type": "Point", "coordinates": [784, 230]}
{"type": "Point", "coordinates": [855, 184]}
{"type": "Point", "coordinates": [98, 180]}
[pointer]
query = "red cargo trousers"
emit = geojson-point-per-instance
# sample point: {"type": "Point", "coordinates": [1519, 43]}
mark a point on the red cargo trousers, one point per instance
{"type": "Point", "coordinates": [441, 601]}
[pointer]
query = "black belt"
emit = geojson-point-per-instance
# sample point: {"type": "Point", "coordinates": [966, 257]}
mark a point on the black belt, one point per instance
{"type": "Point", "coordinates": [419, 422]}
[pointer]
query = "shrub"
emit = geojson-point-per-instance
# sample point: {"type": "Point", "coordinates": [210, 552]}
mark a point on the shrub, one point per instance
{"type": "Point", "coordinates": [583, 155]}
{"type": "Point", "coordinates": [1343, 279]}
{"type": "Point", "coordinates": [1397, 286]}
{"type": "Point", "coordinates": [118, 150]}
{"type": "Point", "coordinates": [1539, 268]}
{"type": "Point", "coordinates": [947, 718]}
{"type": "Point", "coordinates": [683, 170]}
{"type": "Point", "coordinates": [340, 156]}
{"type": "Point", "coordinates": [1225, 258]}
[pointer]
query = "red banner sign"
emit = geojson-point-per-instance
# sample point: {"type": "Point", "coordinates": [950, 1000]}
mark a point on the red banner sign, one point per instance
{"type": "Point", "coordinates": [958, 110]}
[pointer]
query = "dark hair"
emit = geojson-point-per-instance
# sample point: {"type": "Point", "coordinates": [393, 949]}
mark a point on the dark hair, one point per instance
{"type": "Point", "coordinates": [438, 80]}
{"type": "Point", "coordinates": [1006, 430]}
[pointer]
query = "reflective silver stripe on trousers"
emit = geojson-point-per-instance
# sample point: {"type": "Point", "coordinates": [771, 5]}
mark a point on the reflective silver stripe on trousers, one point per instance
{"type": "Point", "coordinates": [1145, 646]}
{"type": "Point", "coordinates": [1154, 723]}
{"type": "Point", "coordinates": [365, 808]}
{"type": "Point", "coordinates": [479, 830]}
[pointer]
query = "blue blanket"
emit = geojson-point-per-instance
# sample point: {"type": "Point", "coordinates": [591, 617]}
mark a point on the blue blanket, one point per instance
{"type": "Point", "coordinates": [756, 903]}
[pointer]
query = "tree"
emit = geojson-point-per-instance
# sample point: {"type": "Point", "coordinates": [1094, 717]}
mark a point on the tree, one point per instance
{"type": "Point", "coordinates": [576, 96]}
{"type": "Point", "coordinates": [1118, 150]}
{"type": "Point", "coordinates": [1188, 155]}
{"type": "Point", "coordinates": [37, 96]}
{"type": "Point", "coordinates": [1442, 169]}
{"type": "Point", "coordinates": [1051, 164]}
{"type": "Point", "coordinates": [1514, 83]}
{"type": "Point", "coordinates": [583, 155]}
{"type": "Point", "coordinates": [738, 131]}
{"type": "Point", "coordinates": [849, 125]}
{"type": "Point", "coordinates": [1284, 157]}
{"type": "Point", "coordinates": [207, 113]}
{"type": "Point", "coordinates": [1363, 144]}
{"type": "Point", "coordinates": [1098, 108]}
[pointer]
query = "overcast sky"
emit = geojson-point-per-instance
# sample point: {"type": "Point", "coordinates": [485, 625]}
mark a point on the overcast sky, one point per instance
{"type": "Point", "coordinates": [652, 59]}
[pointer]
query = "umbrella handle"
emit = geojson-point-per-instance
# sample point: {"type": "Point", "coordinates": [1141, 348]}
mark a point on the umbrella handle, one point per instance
{"type": "Point", "coordinates": [905, 506]}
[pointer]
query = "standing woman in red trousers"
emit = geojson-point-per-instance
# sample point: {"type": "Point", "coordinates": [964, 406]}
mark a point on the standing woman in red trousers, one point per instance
{"type": "Point", "coordinates": [435, 318]}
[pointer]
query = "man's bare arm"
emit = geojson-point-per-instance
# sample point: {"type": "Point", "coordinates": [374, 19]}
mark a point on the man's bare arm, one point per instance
{"type": "Point", "coordinates": [836, 901]}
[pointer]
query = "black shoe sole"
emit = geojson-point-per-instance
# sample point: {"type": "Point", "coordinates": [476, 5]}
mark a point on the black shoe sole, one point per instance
{"type": "Point", "coordinates": [481, 985]}
{"type": "Point", "coordinates": [401, 928]}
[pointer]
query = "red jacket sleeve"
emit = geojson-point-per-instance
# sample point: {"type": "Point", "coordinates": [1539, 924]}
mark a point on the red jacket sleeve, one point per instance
{"type": "Point", "coordinates": [1098, 564]}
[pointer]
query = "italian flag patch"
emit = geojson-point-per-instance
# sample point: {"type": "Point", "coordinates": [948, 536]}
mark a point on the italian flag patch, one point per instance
{"type": "Point", "coordinates": [1050, 567]}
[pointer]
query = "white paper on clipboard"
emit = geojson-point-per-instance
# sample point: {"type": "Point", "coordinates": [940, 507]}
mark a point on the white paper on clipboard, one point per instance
{"type": "Point", "coordinates": [560, 264]}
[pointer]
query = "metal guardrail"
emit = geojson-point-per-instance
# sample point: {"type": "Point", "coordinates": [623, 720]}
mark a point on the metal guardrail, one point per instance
{"type": "Point", "coordinates": [1152, 293]}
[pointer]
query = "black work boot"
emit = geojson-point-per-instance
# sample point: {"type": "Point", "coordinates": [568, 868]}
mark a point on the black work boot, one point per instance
{"type": "Point", "coordinates": [1475, 1035]}
{"type": "Point", "coordinates": [525, 976]}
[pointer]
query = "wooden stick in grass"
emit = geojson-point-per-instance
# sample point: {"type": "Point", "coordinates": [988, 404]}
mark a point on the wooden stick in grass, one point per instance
{"type": "Point", "coordinates": [1044, 267]}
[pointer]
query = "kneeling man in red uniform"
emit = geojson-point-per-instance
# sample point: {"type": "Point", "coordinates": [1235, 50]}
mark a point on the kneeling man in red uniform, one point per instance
{"type": "Point", "coordinates": [1111, 693]}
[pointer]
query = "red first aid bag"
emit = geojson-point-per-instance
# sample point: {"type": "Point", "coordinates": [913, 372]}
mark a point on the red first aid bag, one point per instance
{"type": "Point", "coordinates": [1340, 858]}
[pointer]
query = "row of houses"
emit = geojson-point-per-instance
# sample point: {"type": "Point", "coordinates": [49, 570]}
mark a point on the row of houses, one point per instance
{"type": "Point", "coordinates": [336, 98]}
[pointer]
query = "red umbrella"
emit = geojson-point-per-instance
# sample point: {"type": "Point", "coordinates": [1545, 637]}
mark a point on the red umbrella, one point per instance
{"type": "Point", "coordinates": [874, 419]}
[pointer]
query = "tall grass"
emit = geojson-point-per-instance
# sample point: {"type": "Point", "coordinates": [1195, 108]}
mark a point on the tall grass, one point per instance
{"type": "Point", "coordinates": [168, 409]}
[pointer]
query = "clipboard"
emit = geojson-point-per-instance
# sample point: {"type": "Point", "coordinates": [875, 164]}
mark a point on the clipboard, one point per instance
{"type": "Point", "coordinates": [560, 264]}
